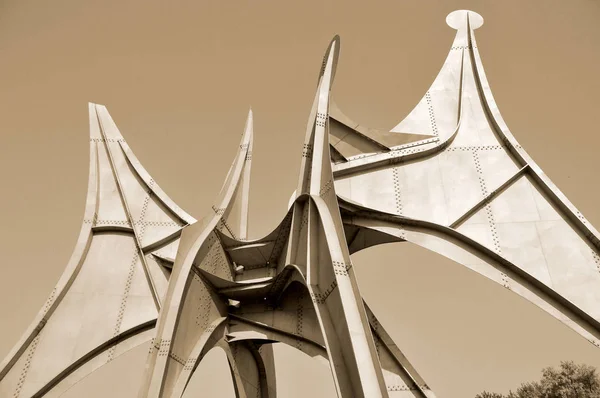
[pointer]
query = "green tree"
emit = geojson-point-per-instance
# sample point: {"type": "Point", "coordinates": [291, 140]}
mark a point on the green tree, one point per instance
{"type": "Point", "coordinates": [486, 394]}
{"type": "Point", "coordinates": [569, 381]}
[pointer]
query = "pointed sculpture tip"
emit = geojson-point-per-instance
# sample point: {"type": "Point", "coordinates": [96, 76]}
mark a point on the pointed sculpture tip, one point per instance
{"type": "Point", "coordinates": [92, 111]}
{"type": "Point", "coordinates": [93, 119]}
{"type": "Point", "coordinates": [247, 134]}
{"type": "Point", "coordinates": [92, 108]}
{"type": "Point", "coordinates": [250, 118]}
{"type": "Point", "coordinates": [335, 45]}
{"type": "Point", "coordinates": [336, 39]}
{"type": "Point", "coordinates": [458, 19]}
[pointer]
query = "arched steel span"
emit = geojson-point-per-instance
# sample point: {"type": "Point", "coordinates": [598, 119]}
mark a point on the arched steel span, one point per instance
{"type": "Point", "coordinates": [450, 177]}
{"type": "Point", "coordinates": [480, 200]}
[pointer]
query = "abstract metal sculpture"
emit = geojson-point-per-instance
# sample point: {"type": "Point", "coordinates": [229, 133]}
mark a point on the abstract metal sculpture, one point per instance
{"type": "Point", "coordinates": [450, 177]}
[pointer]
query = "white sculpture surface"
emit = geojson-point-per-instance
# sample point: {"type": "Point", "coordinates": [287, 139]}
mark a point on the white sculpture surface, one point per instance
{"type": "Point", "coordinates": [450, 177]}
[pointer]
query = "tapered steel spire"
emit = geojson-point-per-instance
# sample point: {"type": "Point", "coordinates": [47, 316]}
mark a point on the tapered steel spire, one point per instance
{"type": "Point", "coordinates": [110, 294]}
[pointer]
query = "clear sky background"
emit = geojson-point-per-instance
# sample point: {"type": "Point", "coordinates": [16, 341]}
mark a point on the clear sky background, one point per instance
{"type": "Point", "coordinates": [178, 78]}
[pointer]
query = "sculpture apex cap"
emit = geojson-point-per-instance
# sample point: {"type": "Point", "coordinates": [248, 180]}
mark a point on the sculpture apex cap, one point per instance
{"type": "Point", "coordinates": [458, 19]}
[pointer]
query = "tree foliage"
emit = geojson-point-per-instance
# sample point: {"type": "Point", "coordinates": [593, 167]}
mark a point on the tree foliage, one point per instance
{"type": "Point", "coordinates": [569, 381]}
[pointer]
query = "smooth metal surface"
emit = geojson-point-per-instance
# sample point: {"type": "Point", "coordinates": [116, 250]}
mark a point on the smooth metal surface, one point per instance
{"type": "Point", "coordinates": [450, 177]}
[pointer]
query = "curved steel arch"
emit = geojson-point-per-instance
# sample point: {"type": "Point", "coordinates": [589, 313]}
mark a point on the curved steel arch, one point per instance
{"type": "Point", "coordinates": [480, 200]}
{"type": "Point", "coordinates": [217, 275]}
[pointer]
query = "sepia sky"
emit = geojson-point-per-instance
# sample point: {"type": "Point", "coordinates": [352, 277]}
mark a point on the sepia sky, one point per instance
{"type": "Point", "coordinates": [178, 77]}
